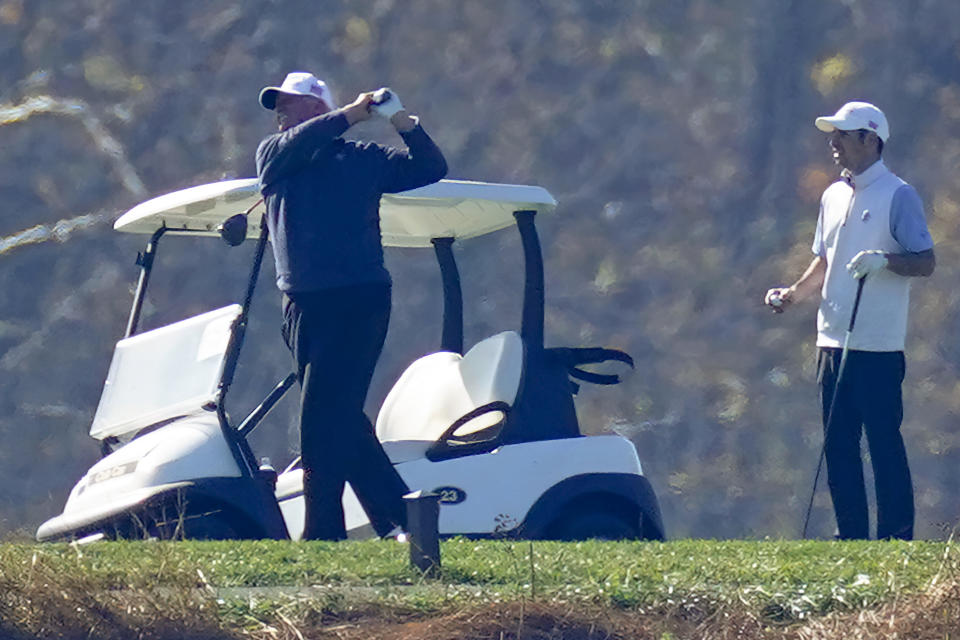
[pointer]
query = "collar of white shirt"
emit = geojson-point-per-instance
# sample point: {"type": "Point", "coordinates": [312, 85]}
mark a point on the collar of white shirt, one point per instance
{"type": "Point", "coordinates": [869, 175]}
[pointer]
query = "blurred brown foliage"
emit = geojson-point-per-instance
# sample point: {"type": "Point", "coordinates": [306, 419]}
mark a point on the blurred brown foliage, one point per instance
{"type": "Point", "coordinates": [677, 137]}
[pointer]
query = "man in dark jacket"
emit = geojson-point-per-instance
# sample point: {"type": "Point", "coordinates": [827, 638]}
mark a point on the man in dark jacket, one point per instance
{"type": "Point", "coordinates": [322, 196]}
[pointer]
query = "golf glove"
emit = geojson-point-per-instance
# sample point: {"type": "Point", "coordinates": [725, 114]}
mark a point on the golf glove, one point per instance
{"type": "Point", "coordinates": [867, 262]}
{"type": "Point", "coordinates": [385, 103]}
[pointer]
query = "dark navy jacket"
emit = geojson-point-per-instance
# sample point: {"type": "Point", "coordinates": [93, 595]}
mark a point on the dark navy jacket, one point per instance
{"type": "Point", "coordinates": [323, 199]}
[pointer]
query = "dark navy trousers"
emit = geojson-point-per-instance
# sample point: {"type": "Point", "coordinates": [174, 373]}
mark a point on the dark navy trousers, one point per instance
{"type": "Point", "coordinates": [868, 400]}
{"type": "Point", "coordinates": [336, 336]}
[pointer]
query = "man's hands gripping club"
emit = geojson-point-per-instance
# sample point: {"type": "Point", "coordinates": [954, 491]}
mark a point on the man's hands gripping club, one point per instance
{"type": "Point", "coordinates": [867, 262]}
{"type": "Point", "coordinates": [383, 103]}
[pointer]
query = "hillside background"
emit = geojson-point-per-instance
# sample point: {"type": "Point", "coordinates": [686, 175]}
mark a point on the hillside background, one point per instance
{"type": "Point", "coordinates": [677, 137]}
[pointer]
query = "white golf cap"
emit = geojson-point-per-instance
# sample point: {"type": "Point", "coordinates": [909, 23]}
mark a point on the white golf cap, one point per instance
{"type": "Point", "coordinates": [856, 115]}
{"type": "Point", "coordinates": [298, 83]}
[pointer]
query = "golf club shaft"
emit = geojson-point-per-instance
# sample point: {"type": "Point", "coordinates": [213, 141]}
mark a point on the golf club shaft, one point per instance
{"type": "Point", "coordinates": [856, 305]}
{"type": "Point", "coordinates": [833, 402]}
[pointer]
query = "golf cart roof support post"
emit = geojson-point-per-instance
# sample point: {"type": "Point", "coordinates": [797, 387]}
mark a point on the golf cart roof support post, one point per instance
{"type": "Point", "coordinates": [239, 446]}
{"type": "Point", "coordinates": [145, 260]}
{"type": "Point", "coordinates": [240, 325]}
{"type": "Point", "coordinates": [251, 421]}
{"type": "Point", "coordinates": [452, 336]}
{"type": "Point", "coordinates": [533, 289]}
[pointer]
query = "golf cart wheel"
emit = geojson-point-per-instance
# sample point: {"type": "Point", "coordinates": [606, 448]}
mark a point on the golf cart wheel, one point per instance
{"type": "Point", "coordinates": [168, 522]}
{"type": "Point", "coordinates": [595, 523]}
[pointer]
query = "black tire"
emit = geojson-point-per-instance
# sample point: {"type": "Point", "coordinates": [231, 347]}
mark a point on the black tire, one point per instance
{"type": "Point", "coordinates": [599, 524]}
{"type": "Point", "coordinates": [166, 521]}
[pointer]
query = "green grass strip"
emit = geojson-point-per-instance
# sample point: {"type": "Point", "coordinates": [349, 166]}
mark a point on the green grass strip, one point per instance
{"type": "Point", "coordinates": [779, 580]}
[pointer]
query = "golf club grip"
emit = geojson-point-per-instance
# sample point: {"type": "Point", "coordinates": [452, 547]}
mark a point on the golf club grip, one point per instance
{"type": "Point", "coordinates": [856, 302]}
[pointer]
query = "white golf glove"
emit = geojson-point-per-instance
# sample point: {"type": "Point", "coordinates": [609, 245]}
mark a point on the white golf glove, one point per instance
{"type": "Point", "coordinates": [867, 262]}
{"type": "Point", "coordinates": [385, 103]}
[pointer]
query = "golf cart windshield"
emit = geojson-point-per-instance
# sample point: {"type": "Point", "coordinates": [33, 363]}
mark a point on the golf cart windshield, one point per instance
{"type": "Point", "coordinates": [164, 373]}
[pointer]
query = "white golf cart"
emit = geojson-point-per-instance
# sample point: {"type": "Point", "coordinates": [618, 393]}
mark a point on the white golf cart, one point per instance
{"type": "Point", "coordinates": [492, 430]}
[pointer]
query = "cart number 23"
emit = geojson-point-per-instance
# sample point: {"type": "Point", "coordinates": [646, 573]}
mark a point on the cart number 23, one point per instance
{"type": "Point", "coordinates": [450, 495]}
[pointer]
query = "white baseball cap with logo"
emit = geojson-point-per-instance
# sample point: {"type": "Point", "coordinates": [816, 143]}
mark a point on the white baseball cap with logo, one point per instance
{"type": "Point", "coordinates": [856, 115]}
{"type": "Point", "coordinates": [298, 83]}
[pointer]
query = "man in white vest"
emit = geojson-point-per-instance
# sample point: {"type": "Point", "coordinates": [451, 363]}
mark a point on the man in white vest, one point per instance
{"type": "Point", "coordinates": [871, 226]}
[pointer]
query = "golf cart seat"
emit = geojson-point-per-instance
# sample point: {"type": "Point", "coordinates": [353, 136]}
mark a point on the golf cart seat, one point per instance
{"type": "Point", "coordinates": [446, 405]}
{"type": "Point", "coordinates": [500, 392]}
{"type": "Point", "coordinates": [163, 374]}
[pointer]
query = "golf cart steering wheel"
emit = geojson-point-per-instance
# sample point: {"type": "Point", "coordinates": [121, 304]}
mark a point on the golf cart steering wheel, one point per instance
{"type": "Point", "coordinates": [452, 444]}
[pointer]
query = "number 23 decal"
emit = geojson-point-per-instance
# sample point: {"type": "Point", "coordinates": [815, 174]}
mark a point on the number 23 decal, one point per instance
{"type": "Point", "coordinates": [450, 495]}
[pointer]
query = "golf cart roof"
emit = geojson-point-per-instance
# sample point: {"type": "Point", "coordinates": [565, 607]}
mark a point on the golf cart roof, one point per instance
{"type": "Point", "coordinates": [449, 208]}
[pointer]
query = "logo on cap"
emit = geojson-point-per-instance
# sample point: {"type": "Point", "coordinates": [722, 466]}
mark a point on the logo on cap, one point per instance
{"type": "Point", "coordinates": [873, 125]}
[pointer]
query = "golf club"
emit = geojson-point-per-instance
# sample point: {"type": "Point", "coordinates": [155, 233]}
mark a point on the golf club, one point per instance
{"type": "Point", "coordinates": [833, 402]}
{"type": "Point", "coordinates": [233, 230]}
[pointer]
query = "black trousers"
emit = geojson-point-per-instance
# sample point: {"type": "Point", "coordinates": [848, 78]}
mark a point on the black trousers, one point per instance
{"type": "Point", "coordinates": [336, 336]}
{"type": "Point", "coordinates": [868, 399]}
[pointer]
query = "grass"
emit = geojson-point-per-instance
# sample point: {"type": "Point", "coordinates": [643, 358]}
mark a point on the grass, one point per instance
{"type": "Point", "coordinates": [236, 589]}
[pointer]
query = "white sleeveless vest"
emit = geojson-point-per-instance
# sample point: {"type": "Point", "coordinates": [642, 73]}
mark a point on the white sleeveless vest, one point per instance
{"type": "Point", "coordinates": [853, 220]}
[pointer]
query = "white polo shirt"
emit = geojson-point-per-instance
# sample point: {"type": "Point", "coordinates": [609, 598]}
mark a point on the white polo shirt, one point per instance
{"type": "Point", "coordinates": [878, 211]}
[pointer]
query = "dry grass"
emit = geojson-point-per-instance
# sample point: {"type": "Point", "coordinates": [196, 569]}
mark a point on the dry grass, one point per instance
{"type": "Point", "coordinates": [187, 614]}
{"type": "Point", "coordinates": [45, 602]}
{"type": "Point", "coordinates": [931, 616]}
